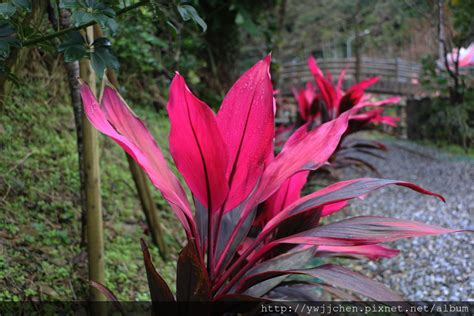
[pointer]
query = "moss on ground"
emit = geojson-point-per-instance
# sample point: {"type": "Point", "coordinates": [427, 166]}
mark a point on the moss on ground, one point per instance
{"type": "Point", "coordinates": [40, 253]}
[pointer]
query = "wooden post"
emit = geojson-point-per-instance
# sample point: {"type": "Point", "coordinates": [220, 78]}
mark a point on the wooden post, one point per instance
{"type": "Point", "coordinates": [140, 179]}
{"type": "Point", "coordinates": [95, 236]}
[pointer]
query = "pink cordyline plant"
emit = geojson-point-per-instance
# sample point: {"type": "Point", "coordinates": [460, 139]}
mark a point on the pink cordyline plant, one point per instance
{"type": "Point", "coordinates": [244, 229]}
{"type": "Point", "coordinates": [335, 101]}
{"type": "Point", "coordinates": [326, 101]}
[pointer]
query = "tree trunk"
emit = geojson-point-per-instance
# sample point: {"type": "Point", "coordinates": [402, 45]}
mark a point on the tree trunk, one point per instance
{"type": "Point", "coordinates": [140, 179]}
{"type": "Point", "coordinates": [73, 72]}
{"type": "Point", "coordinates": [456, 94]}
{"type": "Point", "coordinates": [95, 236]}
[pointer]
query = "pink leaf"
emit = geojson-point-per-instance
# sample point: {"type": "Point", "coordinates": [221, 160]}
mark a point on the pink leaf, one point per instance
{"type": "Point", "coordinates": [288, 192]}
{"type": "Point", "coordinates": [303, 151]}
{"type": "Point", "coordinates": [364, 230]}
{"type": "Point", "coordinates": [373, 252]}
{"type": "Point", "coordinates": [115, 119]}
{"type": "Point", "coordinates": [314, 68]}
{"type": "Point", "coordinates": [338, 192]}
{"type": "Point", "coordinates": [196, 145]}
{"type": "Point", "coordinates": [303, 106]}
{"type": "Point", "coordinates": [246, 120]}
{"type": "Point", "coordinates": [333, 208]}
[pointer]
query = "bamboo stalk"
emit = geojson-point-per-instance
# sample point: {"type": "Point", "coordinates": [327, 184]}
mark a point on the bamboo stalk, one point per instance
{"type": "Point", "coordinates": [140, 179]}
{"type": "Point", "coordinates": [95, 236]}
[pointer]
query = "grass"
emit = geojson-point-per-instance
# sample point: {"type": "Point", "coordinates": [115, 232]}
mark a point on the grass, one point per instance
{"type": "Point", "coordinates": [452, 149]}
{"type": "Point", "coordinates": [40, 253]}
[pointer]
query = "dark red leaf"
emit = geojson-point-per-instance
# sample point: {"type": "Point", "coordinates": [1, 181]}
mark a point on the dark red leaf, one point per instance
{"type": "Point", "coordinates": [292, 260]}
{"type": "Point", "coordinates": [354, 282]}
{"type": "Point", "coordinates": [109, 295]}
{"type": "Point", "coordinates": [336, 276]}
{"type": "Point", "coordinates": [340, 191]}
{"type": "Point", "coordinates": [159, 290]}
{"type": "Point", "coordinates": [192, 284]}
{"type": "Point", "coordinates": [364, 230]}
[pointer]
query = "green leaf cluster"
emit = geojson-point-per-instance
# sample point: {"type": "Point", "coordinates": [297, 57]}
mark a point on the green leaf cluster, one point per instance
{"type": "Point", "coordinates": [75, 47]}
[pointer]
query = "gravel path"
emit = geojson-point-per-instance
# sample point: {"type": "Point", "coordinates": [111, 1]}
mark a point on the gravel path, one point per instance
{"type": "Point", "coordinates": [433, 267]}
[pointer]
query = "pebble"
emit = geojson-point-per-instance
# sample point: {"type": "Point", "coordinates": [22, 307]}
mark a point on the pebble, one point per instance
{"type": "Point", "coordinates": [430, 267]}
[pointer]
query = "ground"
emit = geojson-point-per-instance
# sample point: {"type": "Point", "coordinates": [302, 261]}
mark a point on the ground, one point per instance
{"type": "Point", "coordinates": [437, 268]}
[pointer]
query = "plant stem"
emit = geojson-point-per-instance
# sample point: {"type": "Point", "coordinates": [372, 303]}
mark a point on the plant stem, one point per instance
{"type": "Point", "coordinates": [52, 35]}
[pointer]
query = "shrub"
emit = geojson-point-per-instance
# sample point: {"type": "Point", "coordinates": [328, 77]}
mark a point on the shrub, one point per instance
{"type": "Point", "coordinates": [249, 228]}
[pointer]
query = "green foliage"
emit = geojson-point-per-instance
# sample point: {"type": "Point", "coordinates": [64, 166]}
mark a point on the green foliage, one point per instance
{"type": "Point", "coordinates": [7, 39]}
{"type": "Point", "coordinates": [8, 9]}
{"type": "Point", "coordinates": [449, 123]}
{"type": "Point", "coordinates": [432, 78]}
{"type": "Point", "coordinates": [188, 12]}
{"type": "Point", "coordinates": [463, 23]}
{"type": "Point", "coordinates": [86, 11]}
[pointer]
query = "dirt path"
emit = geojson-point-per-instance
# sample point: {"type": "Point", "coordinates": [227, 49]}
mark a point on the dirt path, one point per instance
{"type": "Point", "coordinates": [433, 267]}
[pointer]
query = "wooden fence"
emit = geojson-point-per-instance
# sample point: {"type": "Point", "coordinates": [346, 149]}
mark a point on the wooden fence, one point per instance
{"type": "Point", "coordinates": [397, 76]}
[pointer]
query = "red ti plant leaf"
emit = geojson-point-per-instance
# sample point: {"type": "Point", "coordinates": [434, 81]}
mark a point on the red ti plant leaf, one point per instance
{"type": "Point", "coordinates": [304, 151]}
{"type": "Point", "coordinates": [355, 93]}
{"type": "Point", "coordinates": [292, 260]}
{"type": "Point", "coordinates": [372, 252]}
{"type": "Point", "coordinates": [288, 193]}
{"type": "Point", "coordinates": [338, 192]}
{"type": "Point", "coordinates": [306, 101]}
{"type": "Point", "coordinates": [115, 119]}
{"type": "Point", "coordinates": [334, 275]}
{"type": "Point", "coordinates": [341, 191]}
{"type": "Point", "coordinates": [109, 295]}
{"type": "Point", "coordinates": [308, 152]}
{"type": "Point", "coordinates": [196, 145]}
{"type": "Point", "coordinates": [193, 282]}
{"type": "Point", "coordinates": [333, 208]}
{"type": "Point", "coordinates": [364, 230]}
{"type": "Point", "coordinates": [159, 290]}
{"type": "Point", "coordinates": [314, 68]}
{"type": "Point", "coordinates": [246, 120]}
{"type": "Point", "coordinates": [354, 282]}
